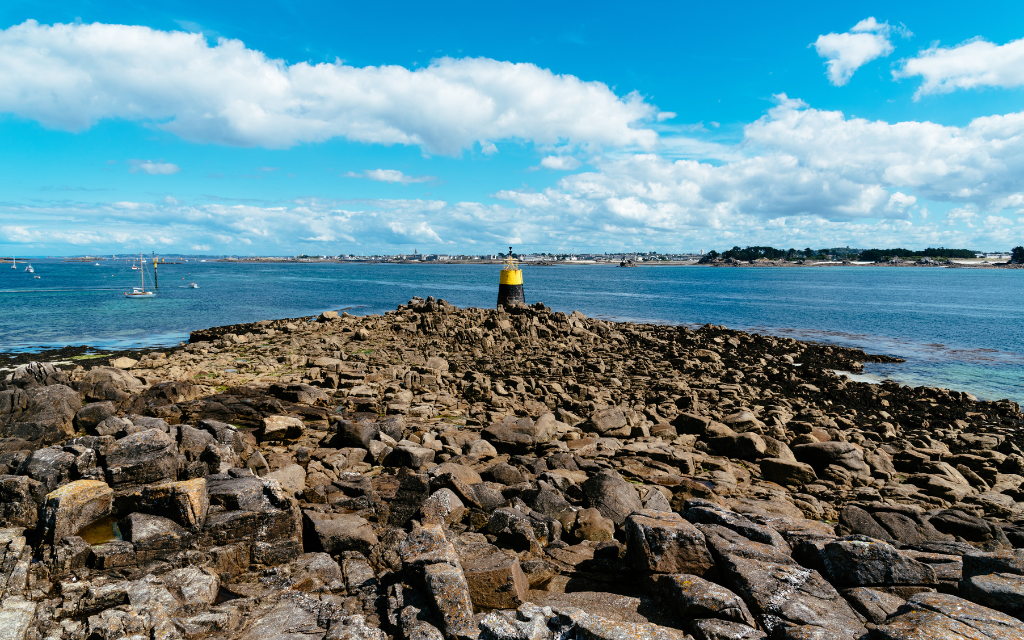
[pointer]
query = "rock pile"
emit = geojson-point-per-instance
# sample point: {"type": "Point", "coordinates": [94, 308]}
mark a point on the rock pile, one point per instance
{"type": "Point", "coordinates": [440, 473]}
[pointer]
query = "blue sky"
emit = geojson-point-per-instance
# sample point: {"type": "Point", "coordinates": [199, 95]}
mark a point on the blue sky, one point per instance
{"type": "Point", "coordinates": [279, 128]}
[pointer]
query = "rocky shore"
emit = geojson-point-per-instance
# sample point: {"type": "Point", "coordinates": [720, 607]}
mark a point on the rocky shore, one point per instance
{"type": "Point", "coordinates": [440, 473]}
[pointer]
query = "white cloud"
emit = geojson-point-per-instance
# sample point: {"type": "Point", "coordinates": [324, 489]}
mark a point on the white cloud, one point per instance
{"type": "Point", "coordinates": [847, 52]}
{"type": "Point", "coordinates": [153, 168]}
{"type": "Point", "coordinates": [389, 175]}
{"type": "Point", "coordinates": [70, 76]}
{"type": "Point", "coordinates": [560, 163]}
{"type": "Point", "coordinates": [973, 64]}
{"type": "Point", "coordinates": [980, 163]}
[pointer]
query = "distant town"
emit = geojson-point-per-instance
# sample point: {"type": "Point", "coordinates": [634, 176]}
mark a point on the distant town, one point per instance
{"type": "Point", "coordinates": [752, 255]}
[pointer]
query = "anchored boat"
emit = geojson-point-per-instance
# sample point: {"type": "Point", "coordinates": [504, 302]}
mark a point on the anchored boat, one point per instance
{"type": "Point", "coordinates": [140, 292]}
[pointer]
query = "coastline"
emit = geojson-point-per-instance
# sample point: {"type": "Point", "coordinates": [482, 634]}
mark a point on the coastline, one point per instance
{"type": "Point", "coordinates": [511, 456]}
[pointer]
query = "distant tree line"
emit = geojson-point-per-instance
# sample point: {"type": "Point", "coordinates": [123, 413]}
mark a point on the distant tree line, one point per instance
{"type": "Point", "coordinates": [836, 253]}
{"type": "Point", "coordinates": [1017, 255]}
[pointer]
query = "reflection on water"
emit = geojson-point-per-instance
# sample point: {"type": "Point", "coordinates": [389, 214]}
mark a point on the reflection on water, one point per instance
{"type": "Point", "coordinates": [102, 531]}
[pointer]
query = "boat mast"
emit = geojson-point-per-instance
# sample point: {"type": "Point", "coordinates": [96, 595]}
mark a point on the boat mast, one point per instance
{"type": "Point", "coordinates": [142, 271]}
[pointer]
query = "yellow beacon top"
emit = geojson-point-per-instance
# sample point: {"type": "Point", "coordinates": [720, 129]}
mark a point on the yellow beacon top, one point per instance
{"type": "Point", "coordinates": [510, 271]}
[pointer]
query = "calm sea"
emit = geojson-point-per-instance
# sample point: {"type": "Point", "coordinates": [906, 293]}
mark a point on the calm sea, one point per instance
{"type": "Point", "coordinates": [957, 328]}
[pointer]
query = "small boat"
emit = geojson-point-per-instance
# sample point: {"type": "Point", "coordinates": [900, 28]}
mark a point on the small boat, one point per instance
{"type": "Point", "coordinates": [14, 264]}
{"type": "Point", "coordinates": [193, 285]}
{"type": "Point", "coordinates": [29, 269]}
{"type": "Point", "coordinates": [140, 292]}
{"type": "Point", "coordinates": [37, 277]}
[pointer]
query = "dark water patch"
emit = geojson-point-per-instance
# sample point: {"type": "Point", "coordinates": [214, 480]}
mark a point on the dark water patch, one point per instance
{"type": "Point", "coordinates": [102, 531]}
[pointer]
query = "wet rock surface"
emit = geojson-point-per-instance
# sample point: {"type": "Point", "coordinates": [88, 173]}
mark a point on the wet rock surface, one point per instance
{"type": "Point", "coordinates": [441, 473]}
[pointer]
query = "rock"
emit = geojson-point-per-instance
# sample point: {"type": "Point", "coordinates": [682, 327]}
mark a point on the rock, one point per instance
{"type": "Point", "coordinates": [20, 497]}
{"type": "Point", "coordinates": [281, 428]}
{"type": "Point", "coordinates": [663, 542]}
{"type": "Point", "coordinates": [194, 588]}
{"type": "Point", "coordinates": [612, 496]}
{"type": "Point", "coordinates": [860, 521]}
{"type": "Point", "coordinates": [123, 363]}
{"type": "Point", "coordinates": [186, 502]}
{"type": "Point", "coordinates": [443, 506]}
{"type": "Point", "coordinates": [745, 446]}
{"type": "Point", "coordinates": [284, 620]}
{"type": "Point", "coordinates": [785, 594]}
{"type": "Point", "coordinates": [292, 478]}
{"type": "Point", "coordinates": [76, 505]}
{"type": "Point", "coordinates": [520, 434]}
{"type": "Point", "coordinates": [785, 472]}
{"type": "Point", "coordinates": [588, 524]}
{"type": "Point", "coordinates": [610, 422]}
{"type": "Point", "coordinates": [337, 532]}
{"type": "Point", "coordinates": [356, 434]}
{"type": "Point", "coordinates": [16, 617]}
{"type": "Point", "coordinates": [92, 414]}
{"type": "Point", "coordinates": [411, 456]}
{"type": "Point", "coordinates": [864, 562]}
{"type": "Point", "coordinates": [108, 383]}
{"type": "Point", "coordinates": [449, 591]}
{"type": "Point", "coordinates": [153, 533]}
{"type": "Point", "coordinates": [946, 616]}
{"type": "Point", "coordinates": [979, 564]}
{"type": "Point", "coordinates": [141, 458]}
{"type": "Point", "coordinates": [576, 623]}
{"type": "Point", "coordinates": [724, 630]}
{"type": "Point", "coordinates": [50, 466]}
{"type": "Point", "coordinates": [47, 415]}
{"type": "Point", "coordinates": [1000, 591]}
{"type": "Point", "coordinates": [495, 580]}
{"type": "Point", "coordinates": [691, 597]}
{"type": "Point", "coordinates": [874, 604]}
{"type": "Point", "coordinates": [821, 454]}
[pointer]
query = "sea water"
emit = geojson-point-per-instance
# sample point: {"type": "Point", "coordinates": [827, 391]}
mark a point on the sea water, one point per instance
{"type": "Point", "coordinates": [957, 328]}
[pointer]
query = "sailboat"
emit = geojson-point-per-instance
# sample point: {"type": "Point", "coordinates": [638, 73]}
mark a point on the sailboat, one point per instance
{"type": "Point", "coordinates": [14, 265]}
{"type": "Point", "coordinates": [140, 292]}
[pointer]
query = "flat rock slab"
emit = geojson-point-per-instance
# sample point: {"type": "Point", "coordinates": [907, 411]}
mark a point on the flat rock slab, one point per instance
{"type": "Point", "coordinates": [784, 595]}
{"type": "Point", "coordinates": [940, 616]}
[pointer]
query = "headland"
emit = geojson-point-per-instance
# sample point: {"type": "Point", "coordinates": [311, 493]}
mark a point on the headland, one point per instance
{"type": "Point", "coordinates": [436, 472]}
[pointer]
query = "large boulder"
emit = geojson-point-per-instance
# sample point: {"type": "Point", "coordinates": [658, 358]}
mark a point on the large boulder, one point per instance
{"type": "Point", "coordinates": [941, 615]}
{"type": "Point", "coordinates": [76, 505]}
{"type": "Point", "coordinates": [610, 422]}
{"type": "Point", "coordinates": [92, 414]}
{"type": "Point", "coordinates": [334, 533]}
{"type": "Point", "coordinates": [821, 454]}
{"type": "Point", "coordinates": [784, 594]}
{"type": "Point", "coordinates": [785, 472]}
{"type": "Point", "coordinates": [108, 383]}
{"type": "Point", "coordinates": [47, 415]}
{"type": "Point", "coordinates": [612, 496]}
{"type": "Point", "coordinates": [520, 434]}
{"type": "Point", "coordinates": [20, 497]}
{"type": "Point", "coordinates": [141, 458]}
{"type": "Point", "coordinates": [185, 502]}
{"type": "Point", "coordinates": [50, 466]}
{"type": "Point", "coordinates": [691, 597]}
{"type": "Point", "coordinates": [663, 542]}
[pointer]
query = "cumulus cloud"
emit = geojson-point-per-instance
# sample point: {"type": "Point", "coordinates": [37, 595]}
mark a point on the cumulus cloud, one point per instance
{"type": "Point", "coordinates": [560, 163]}
{"type": "Point", "coordinates": [970, 65]}
{"type": "Point", "coordinates": [159, 168]}
{"type": "Point", "coordinates": [847, 52]}
{"type": "Point", "coordinates": [980, 163]}
{"type": "Point", "coordinates": [70, 76]}
{"type": "Point", "coordinates": [389, 175]}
